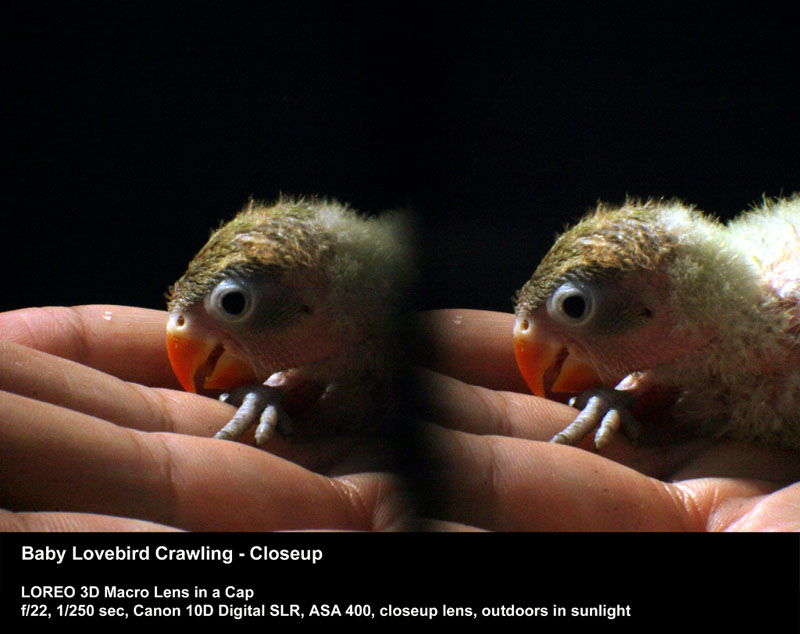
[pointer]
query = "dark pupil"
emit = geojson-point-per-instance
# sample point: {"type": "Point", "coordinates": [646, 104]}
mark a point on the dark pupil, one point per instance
{"type": "Point", "coordinates": [234, 303]}
{"type": "Point", "coordinates": [574, 306]}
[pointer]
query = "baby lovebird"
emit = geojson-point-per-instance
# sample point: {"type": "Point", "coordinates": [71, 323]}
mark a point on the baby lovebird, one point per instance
{"type": "Point", "coordinates": [295, 307]}
{"type": "Point", "coordinates": [654, 302]}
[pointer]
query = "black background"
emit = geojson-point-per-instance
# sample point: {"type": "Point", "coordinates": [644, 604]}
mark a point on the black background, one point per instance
{"type": "Point", "coordinates": [132, 129]}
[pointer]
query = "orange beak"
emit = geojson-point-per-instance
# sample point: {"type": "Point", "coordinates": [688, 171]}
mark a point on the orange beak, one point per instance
{"type": "Point", "coordinates": [547, 365]}
{"type": "Point", "coordinates": [200, 361]}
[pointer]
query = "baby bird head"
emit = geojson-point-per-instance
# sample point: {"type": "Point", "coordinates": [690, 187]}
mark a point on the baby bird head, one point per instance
{"type": "Point", "coordinates": [626, 289]}
{"type": "Point", "coordinates": [281, 287]}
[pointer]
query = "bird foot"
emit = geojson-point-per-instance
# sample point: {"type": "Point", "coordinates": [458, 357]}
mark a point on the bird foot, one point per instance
{"type": "Point", "coordinates": [257, 404]}
{"type": "Point", "coordinates": [605, 409]}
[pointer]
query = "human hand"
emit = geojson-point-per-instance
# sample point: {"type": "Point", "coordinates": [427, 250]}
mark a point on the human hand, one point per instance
{"type": "Point", "coordinates": [486, 430]}
{"type": "Point", "coordinates": [111, 454]}
{"type": "Point", "coordinates": [97, 436]}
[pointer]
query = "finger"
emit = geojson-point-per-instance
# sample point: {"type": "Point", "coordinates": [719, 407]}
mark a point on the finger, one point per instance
{"type": "Point", "coordinates": [474, 346]}
{"type": "Point", "coordinates": [468, 408]}
{"type": "Point", "coordinates": [53, 458]}
{"type": "Point", "coordinates": [478, 410]}
{"type": "Point", "coordinates": [77, 387]}
{"type": "Point", "coordinates": [124, 341]}
{"type": "Point", "coordinates": [44, 377]}
{"type": "Point", "coordinates": [71, 522]}
{"type": "Point", "coordinates": [506, 484]}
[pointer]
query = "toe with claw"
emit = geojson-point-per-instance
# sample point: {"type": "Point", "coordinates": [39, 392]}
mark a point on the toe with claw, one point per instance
{"type": "Point", "coordinates": [258, 405]}
{"type": "Point", "coordinates": [605, 409]}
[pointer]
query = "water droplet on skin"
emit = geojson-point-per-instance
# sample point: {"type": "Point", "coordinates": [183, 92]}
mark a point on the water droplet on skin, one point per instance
{"type": "Point", "coordinates": [458, 319]}
{"type": "Point", "coordinates": [107, 315]}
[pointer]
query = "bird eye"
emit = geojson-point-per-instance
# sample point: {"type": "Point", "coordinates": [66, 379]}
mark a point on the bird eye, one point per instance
{"type": "Point", "coordinates": [230, 300]}
{"type": "Point", "coordinates": [233, 302]}
{"type": "Point", "coordinates": [571, 304]}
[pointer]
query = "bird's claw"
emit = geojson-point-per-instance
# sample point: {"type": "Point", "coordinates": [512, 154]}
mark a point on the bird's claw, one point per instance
{"type": "Point", "coordinates": [602, 408]}
{"type": "Point", "coordinates": [257, 404]}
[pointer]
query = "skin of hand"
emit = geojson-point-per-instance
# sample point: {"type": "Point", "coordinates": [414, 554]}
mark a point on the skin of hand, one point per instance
{"type": "Point", "coordinates": [97, 436]}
